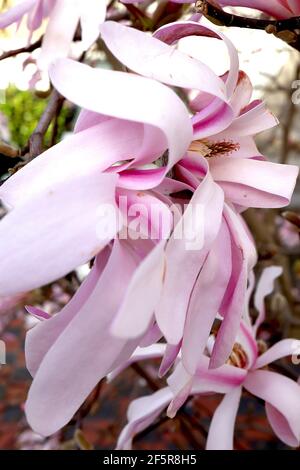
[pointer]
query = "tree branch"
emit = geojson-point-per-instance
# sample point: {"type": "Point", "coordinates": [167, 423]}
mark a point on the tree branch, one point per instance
{"type": "Point", "coordinates": [29, 48]}
{"type": "Point", "coordinates": [36, 139]}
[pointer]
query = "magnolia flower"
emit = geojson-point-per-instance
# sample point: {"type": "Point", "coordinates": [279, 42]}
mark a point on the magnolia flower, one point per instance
{"type": "Point", "coordinates": [63, 18]}
{"type": "Point", "coordinates": [246, 368]}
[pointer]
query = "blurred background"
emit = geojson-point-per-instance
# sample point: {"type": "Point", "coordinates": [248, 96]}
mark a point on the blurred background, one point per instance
{"type": "Point", "coordinates": [273, 68]}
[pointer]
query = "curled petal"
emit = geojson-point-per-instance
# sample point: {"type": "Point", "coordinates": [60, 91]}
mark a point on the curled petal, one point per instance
{"type": "Point", "coordinates": [282, 397]}
{"type": "Point", "coordinates": [254, 183]}
{"type": "Point", "coordinates": [141, 413]}
{"type": "Point", "coordinates": [221, 430]}
{"type": "Point", "coordinates": [153, 58]}
{"type": "Point", "coordinates": [286, 347]}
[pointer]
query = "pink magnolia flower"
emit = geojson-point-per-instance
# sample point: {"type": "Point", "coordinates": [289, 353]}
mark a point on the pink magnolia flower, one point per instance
{"type": "Point", "coordinates": [63, 18]}
{"type": "Point", "coordinates": [245, 368]}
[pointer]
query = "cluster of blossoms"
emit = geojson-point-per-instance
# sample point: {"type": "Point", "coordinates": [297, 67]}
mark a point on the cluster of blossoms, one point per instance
{"type": "Point", "coordinates": [186, 171]}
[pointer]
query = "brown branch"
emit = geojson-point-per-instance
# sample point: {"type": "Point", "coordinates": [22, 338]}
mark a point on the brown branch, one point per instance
{"type": "Point", "coordinates": [29, 48]}
{"type": "Point", "coordinates": [36, 139]}
{"type": "Point", "coordinates": [283, 29]}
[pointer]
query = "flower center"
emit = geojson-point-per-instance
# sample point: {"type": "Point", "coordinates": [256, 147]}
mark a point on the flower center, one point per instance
{"type": "Point", "coordinates": [238, 357]}
{"type": "Point", "coordinates": [210, 149]}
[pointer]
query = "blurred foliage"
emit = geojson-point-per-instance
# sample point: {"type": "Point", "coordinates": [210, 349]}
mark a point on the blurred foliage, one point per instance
{"type": "Point", "coordinates": [23, 110]}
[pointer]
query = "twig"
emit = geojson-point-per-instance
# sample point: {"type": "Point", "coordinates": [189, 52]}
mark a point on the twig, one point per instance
{"type": "Point", "coordinates": [29, 48]}
{"type": "Point", "coordinates": [36, 139]}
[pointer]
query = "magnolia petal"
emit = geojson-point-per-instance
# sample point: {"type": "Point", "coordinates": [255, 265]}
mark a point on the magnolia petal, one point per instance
{"type": "Point", "coordinates": [90, 19]}
{"type": "Point", "coordinates": [221, 430]}
{"type": "Point", "coordinates": [58, 374]}
{"type": "Point", "coordinates": [242, 93]}
{"type": "Point", "coordinates": [129, 97]}
{"type": "Point", "coordinates": [112, 141]}
{"type": "Point", "coordinates": [172, 32]}
{"type": "Point", "coordinates": [142, 296]}
{"type": "Point", "coordinates": [16, 13]}
{"type": "Point", "coordinates": [254, 183]}
{"type": "Point", "coordinates": [69, 223]}
{"type": "Point", "coordinates": [232, 309]}
{"type": "Point", "coordinates": [214, 115]}
{"type": "Point", "coordinates": [40, 338]}
{"type": "Point", "coordinates": [286, 347]}
{"type": "Point", "coordinates": [140, 178]}
{"type": "Point", "coordinates": [171, 353]}
{"type": "Point", "coordinates": [253, 120]}
{"type": "Point", "coordinates": [35, 17]}
{"type": "Point", "coordinates": [140, 354]}
{"type": "Point", "coordinates": [206, 299]}
{"type": "Point", "coordinates": [141, 413]}
{"type": "Point", "coordinates": [37, 313]}
{"type": "Point", "coordinates": [283, 398]}
{"type": "Point", "coordinates": [88, 119]}
{"type": "Point", "coordinates": [153, 58]}
{"type": "Point", "coordinates": [153, 335]}
{"type": "Point", "coordinates": [60, 31]}
{"type": "Point", "coordinates": [187, 250]}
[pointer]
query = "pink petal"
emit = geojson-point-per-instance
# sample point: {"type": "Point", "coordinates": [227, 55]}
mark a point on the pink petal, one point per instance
{"type": "Point", "coordinates": [206, 299]}
{"type": "Point", "coordinates": [172, 32]}
{"type": "Point", "coordinates": [90, 19]}
{"type": "Point", "coordinates": [283, 398]}
{"type": "Point", "coordinates": [140, 354]}
{"type": "Point", "coordinates": [60, 31]}
{"type": "Point", "coordinates": [63, 231]}
{"type": "Point", "coordinates": [254, 183]}
{"type": "Point", "coordinates": [257, 119]}
{"type": "Point", "coordinates": [170, 356]}
{"type": "Point", "coordinates": [16, 13]}
{"type": "Point", "coordinates": [286, 347]}
{"type": "Point", "coordinates": [188, 253]}
{"type": "Point", "coordinates": [141, 413]}
{"type": "Point", "coordinates": [38, 313]}
{"type": "Point", "coordinates": [221, 430]}
{"type": "Point", "coordinates": [234, 303]}
{"type": "Point", "coordinates": [153, 58]}
{"type": "Point", "coordinates": [130, 97]}
{"type": "Point", "coordinates": [58, 389]}
{"type": "Point", "coordinates": [40, 338]}
{"type": "Point", "coordinates": [113, 140]}
{"type": "Point", "coordinates": [142, 296]}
